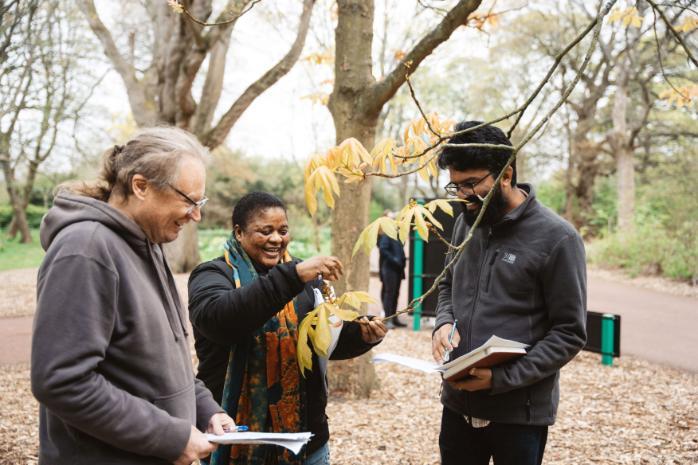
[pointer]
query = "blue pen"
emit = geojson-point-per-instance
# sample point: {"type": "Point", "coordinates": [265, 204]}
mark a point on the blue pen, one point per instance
{"type": "Point", "coordinates": [237, 429]}
{"type": "Point", "coordinates": [447, 354]}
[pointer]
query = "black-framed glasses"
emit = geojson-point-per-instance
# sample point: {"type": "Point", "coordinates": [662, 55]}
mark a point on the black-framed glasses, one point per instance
{"type": "Point", "coordinates": [452, 188]}
{"type": "Point", "coordinates": [193, 205]}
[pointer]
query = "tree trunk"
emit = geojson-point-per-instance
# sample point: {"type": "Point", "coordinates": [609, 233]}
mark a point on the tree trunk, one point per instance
{"type": "Point", "coordinates": [584, 166]}
{"type": "Point", "coordinates": [19, 225]}
{"type": "Point", "coordinates": [625, 164]}
{"type": "Point", "coordinates": [353, 76]}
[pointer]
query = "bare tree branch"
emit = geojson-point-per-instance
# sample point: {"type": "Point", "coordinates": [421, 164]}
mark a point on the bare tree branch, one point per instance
{"type": "Point", "coordinates": [134, 88]}
{"type": "Point", "coordinates": [217, 135]}
{"type": "Point", "coordinates": [655, 8]}
{"type": "Point", "coordinates": [383, 90]}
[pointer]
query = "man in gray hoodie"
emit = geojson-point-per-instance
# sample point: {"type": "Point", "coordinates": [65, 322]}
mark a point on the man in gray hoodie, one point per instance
{"type": "Point", "coordinates": [522, 277]}
{"type": "Point", "coordinates": [111, 365]}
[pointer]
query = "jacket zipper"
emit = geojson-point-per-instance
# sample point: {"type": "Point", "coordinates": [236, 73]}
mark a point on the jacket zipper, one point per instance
{"type": "Point", "coordinates": [489, 271]}
{"type": "Point", "coordinates": [470, 320]}
{"type": "Point", "coordinates": [528, 405]}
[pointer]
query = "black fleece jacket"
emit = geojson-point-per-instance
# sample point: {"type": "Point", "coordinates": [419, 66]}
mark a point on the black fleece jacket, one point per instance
{"type": "Point", "coordinates": [222, 315]}
{"type": "Point", "coordinates": [523, 279]}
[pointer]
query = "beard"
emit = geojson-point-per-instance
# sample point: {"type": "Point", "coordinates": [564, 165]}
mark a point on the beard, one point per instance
{"type": "Point", "coordinates": [496, 209]}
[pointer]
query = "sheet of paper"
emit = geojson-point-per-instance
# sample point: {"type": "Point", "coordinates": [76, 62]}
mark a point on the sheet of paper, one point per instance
{"type": "Point", "coordinates": [291, 441]}
{"type": "Point", "coordinates": [409, 362]}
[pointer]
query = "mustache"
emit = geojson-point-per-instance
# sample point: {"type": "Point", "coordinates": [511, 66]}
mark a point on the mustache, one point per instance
{"type": "Point", "coordinates": [474, 198]}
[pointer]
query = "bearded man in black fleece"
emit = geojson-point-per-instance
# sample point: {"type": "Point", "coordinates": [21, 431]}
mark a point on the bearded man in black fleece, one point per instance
{"type": "Point", "coordinates": [245, 308]}
{"type": "Point", "coordinates": [522, 277]}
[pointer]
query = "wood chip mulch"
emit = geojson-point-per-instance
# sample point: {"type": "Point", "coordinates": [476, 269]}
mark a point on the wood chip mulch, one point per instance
{"type": "Point", "coordinates": [634, 412]}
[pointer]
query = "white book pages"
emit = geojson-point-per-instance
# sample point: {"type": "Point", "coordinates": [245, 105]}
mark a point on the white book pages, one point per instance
{"type": "Point", "coordinates": [291, 441]}
{"type": "Point", "coordinates": [409, 362]}
{"type": "Point", "coordinates": [493, 341]}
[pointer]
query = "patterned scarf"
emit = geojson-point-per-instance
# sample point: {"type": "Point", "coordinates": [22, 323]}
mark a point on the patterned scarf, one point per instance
{"type": "Point", "coordinates": [263, 387]}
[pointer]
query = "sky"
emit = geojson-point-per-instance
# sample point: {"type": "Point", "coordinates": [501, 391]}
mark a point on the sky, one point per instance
{"type": "Point", "coordinates": [284, 122]}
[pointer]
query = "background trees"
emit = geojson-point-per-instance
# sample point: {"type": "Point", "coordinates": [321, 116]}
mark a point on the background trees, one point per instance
{"type": "Point", "coordinates": [159, 61]}
{"type": "Point", "coordinates": [44, 86]}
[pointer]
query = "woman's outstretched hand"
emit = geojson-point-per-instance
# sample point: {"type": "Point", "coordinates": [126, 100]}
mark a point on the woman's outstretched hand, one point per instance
{"type": "Point", "coordinates": [329, 267]}
{"type": "Point", "coordinates": [372, 331]}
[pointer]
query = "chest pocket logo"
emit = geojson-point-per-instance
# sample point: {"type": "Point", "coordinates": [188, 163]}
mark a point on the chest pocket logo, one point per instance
{"type": "Point", "coordinates": [510, 258]}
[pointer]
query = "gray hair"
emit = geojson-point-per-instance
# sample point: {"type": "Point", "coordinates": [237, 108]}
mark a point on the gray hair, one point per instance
{"type": "Point", "coordinates": [154, 153]}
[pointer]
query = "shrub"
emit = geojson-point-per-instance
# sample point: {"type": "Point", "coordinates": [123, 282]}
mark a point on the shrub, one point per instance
{"type": "Point", "coordinates": [34, 215]}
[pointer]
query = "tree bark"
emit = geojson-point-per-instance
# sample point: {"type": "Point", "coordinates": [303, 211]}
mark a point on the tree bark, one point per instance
{"type": "Point", "coordinates": [353, 75]}
{"type": "Point", "coordinates": [625, 164]}
{"type": "Point", "coordinates": [355, 104]}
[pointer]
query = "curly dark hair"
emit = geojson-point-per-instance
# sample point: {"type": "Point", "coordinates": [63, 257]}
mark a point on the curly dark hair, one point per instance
{"type": "Point", "coordinates": [466, 158]}
{"type": "Point", "coordinates": [253, 203]}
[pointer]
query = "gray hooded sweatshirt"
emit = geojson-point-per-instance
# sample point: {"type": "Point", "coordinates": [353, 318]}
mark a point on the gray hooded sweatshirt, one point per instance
{"type": "Point", "coordinates": [110, 366]}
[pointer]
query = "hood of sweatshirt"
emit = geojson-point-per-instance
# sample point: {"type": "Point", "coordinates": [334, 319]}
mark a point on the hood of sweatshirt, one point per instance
{"type": "Point", "coordinates": [69, 209]}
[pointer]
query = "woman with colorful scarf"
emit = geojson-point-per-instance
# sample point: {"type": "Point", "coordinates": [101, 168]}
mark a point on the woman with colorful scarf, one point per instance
{"type": "Point", "coordinates": [245, 307]}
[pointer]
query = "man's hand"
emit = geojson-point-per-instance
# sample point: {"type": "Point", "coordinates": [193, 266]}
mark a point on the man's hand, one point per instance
{"type": "Point", "coordinates": [439, 342]}
{"type": "Point", "coordinates": [197, 448]}
{"type": "Point", "coordinates": [220, 423]}
{"type": "Point", "coordinates": [479, 379]}
{"type": "Point", "coordinates": [372, 331]}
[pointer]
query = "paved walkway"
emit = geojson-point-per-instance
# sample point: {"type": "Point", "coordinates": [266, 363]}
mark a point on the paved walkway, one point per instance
{"type": "Point", "coordinates": [655, 326]}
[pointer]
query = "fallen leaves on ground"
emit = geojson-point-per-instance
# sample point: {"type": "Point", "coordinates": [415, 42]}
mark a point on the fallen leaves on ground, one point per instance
{"type": "Point", "coordinates": [634, 412]}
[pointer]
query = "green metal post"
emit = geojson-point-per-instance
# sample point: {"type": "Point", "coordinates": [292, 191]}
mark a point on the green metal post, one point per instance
{"type": "Point", "coordinates": [607, 335]}
{"type": "Point", "coordinates": [417, 281]}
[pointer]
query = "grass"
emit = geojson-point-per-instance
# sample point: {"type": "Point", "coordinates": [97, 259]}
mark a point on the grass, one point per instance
{"type": "Point", "coordinates": [15, 255]}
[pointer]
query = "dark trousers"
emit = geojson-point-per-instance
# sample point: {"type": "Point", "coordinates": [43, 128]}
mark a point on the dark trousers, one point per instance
{"type": "Point", "coordinates": [390, 290]}
{"type": "Point", "coordinates": [507, 444]}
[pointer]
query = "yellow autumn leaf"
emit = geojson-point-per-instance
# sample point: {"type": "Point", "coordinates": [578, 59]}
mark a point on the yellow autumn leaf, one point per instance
{"type": "Point", "coordinates": [430, 217]}
{"type": "Point", "coordinates": [382, 153]}
{"type": "Point", "coordinates": [688, 25]}
{"type": "Point", "coordinates": [421, 225]}
{"type": "Point", "coordinates": [351, 175]}
{"type": "Point", "coordinates": [325, 179]}
{"type": "Point", "coordinates": [404, 220]}
{"type": "Point", "coordinates": [176, 6]}
{"type": "Point", "coordinates": [305, 356]}
{"type": "Point", "coordinates": [442, 204]}
{"type": "Point", "coordinates": [310, 200]}
{"type": "Point", "coordinates": [346, 315]}
{"type": "Point", "coordinates": [334, 158]}
{"type": "Point", "coordinates": [367, 238]}
{"type": "Point", "coordinates": [627, 17]}
{"type": "Point", "coordinates": [354, 153]}
{"type": "Point", "coordinates": [616, 15]}
{"type": "Point", "coordinates": [354, 299]}
{"type": "Point", "coordinates": [322, 335]}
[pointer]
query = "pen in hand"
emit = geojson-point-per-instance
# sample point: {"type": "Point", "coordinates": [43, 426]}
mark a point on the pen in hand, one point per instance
{"type": "Point", "coordinates": [236, 429]}
{"type": "Point", "coordinates": [447, 353]}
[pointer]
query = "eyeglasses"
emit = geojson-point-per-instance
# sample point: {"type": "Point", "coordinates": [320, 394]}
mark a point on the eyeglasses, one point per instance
{"type": "Point", "coordinates": [193, 204]}
{"type": "Point", "coordinates": [452, 188]}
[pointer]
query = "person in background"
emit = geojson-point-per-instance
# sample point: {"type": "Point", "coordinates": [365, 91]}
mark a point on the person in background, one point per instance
{"type": "Point", "coordinates": [110, 362]}
{"type": "Point", "coordinates": [391, 265]}
{"type": "Point", "coordinates": [245, 308]}
{"type": "Point", "coordinates": [522, 277]}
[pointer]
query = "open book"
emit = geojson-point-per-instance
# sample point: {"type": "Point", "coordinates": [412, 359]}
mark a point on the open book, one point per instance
{"type": "Point", "coordinates": [494, 351]}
